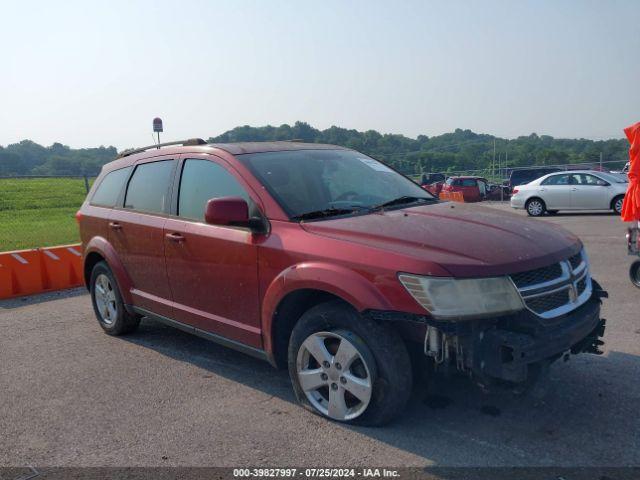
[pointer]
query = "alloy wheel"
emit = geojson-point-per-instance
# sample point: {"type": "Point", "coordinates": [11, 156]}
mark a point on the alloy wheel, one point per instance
{"type": "Point", "coordinates": [334, 375]}
{"type": "Point", "coordinates": [634, 273]}
{"type": "Point", "coordinates": [618, 205]}
{"type": "Point", "coordinates": [535, 208]}
{"type": "Point", "coordinates": [105, 298]}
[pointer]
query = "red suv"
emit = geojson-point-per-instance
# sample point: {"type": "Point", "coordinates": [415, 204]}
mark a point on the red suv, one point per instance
{"type": "Point", "coordinates": [474, 189]}
{"type": "Point", "coordinates": [322, 259]}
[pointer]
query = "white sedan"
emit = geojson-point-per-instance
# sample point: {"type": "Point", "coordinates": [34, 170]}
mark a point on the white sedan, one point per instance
{"type": "Point", "coordinates": [571, 190]}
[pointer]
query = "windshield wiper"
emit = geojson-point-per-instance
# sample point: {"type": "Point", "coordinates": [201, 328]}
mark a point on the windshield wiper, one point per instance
{"type": "Point", "coordinates": [327, 212]}
{"type": "Point", "coordinates": [401, 201]}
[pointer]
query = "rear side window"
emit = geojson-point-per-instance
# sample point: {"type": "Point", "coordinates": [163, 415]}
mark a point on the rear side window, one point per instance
{"type": "Point", "coordinates": [556, 180]}
{"type": "Point", "coordinates": [201, 181]}
{"type": "Point", "coordinates": [468, 182]}
{"type": "Point", "coordinates": [110, 188]}
{"type": "Point", "coordinates": [148, 189]}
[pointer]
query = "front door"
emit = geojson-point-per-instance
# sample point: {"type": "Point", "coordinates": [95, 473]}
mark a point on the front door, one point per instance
{"type": "Point", "coordinates": [589, 192]}
{"type": "Point", "coordinates": [212, 270]}
{"type": "Point", "coordinates": [136, 232]}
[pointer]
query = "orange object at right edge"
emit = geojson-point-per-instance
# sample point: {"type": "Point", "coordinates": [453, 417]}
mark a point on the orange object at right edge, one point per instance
{"type": "Point", "coordinates": [631, 205]}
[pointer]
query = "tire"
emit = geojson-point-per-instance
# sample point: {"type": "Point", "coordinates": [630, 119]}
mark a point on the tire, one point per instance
{"type": "Point", "coordinates": [634, 273]}
{"type": "Point", "coordinates": [380, 371]}
{"type": "Point", "coordinates": [616, 204]}
{"type": "Point", "coordinates": [107, 302]}
{"type": "Point", "coordinates": [552, 212]}
{"type": "Point", "coordinates": [535, 207]}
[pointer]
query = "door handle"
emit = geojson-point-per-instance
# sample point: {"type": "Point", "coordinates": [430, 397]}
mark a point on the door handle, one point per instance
{"type": "Point", "coordinates": [175, 237]}
{"type": "Point", "coordinates": [574, 189]}
{"type": "Point", "coordinates": [115, 226]}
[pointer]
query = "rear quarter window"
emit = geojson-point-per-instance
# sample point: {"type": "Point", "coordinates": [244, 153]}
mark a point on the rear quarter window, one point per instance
{"type": "Point", "coordinates": [110, 188]}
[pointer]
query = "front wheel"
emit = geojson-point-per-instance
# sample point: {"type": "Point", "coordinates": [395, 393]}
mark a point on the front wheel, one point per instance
{"type": "Point", "coordinates": [634, 273]}
{"type": "Point", "coordinates": [536, 207]}
{"type": "Point", "coordinates": [347, 367]}
{"type": "Point", "coordinates": [616, 205]}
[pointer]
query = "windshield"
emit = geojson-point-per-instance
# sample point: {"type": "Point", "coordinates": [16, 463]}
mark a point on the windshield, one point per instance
{"type": "Point", "coordinates": [331, 182]}
{"type": "Point", "coordinates": [613, 177]}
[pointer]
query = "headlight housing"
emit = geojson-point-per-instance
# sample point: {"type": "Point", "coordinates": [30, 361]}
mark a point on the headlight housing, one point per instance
{"type": "Point", "coordinates": [452, 299]}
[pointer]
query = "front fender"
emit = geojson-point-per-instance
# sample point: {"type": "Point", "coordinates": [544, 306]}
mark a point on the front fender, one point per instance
{"type": "Point", "coordinates": [102, 247]}
{"type": "Point", "coordinates": [339, 281]}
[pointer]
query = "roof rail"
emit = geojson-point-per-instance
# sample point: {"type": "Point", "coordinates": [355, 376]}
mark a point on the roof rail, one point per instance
{"type": "Point", "coordinates": [186, 143]}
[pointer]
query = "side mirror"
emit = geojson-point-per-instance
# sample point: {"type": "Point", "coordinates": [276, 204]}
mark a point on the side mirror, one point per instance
{"type": "Point", "coordinates": [232, 211]}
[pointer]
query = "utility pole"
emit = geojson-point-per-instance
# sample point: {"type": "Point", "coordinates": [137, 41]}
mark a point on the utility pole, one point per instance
{"type": "Point", "coordinates": [493, 163]}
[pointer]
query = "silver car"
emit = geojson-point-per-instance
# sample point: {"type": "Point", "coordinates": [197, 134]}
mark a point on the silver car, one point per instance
{"type": "Point", "coordinates": [571, 190]}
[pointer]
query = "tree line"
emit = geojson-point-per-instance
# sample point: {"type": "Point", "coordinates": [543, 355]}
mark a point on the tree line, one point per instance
{"type": "Point", "coordinates": [461, 150]}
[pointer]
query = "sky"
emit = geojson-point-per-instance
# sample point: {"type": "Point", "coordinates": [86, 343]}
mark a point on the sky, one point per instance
{"type": "Point", "coordinates": [89, 73]}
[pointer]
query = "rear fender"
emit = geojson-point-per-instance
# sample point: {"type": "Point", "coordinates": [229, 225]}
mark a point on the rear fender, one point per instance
{"type": "Point", "coordinates": [101, 246]}
{"type": "Point", "coordinates": [342, 282]}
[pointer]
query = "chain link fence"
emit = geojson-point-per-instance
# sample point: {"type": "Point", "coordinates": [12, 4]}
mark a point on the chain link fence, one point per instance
{"type": "Point", "coordinates": [39, 211]}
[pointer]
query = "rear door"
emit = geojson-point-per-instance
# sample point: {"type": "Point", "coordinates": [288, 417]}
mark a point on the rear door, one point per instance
{"type": "Point", "coordinates": [136, 232]}
{"type": "Point", "coordinates": [556, 192]}
{"type": "Point", "coordinates": [212, 270]}
{"type": "Point", "coordinates": [589, 192]}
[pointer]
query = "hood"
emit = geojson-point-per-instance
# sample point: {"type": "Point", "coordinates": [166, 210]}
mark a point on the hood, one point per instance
{"type": "Point", "coordinates": [465, 240]}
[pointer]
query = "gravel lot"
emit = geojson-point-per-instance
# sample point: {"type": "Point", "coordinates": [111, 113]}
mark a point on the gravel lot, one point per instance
{"type": "Point", "coordinates": [73, 396]}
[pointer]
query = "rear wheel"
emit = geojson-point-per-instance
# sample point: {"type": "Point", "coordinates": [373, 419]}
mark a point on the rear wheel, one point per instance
{"type": "Point", "coordinates": [535, 207]}
{"type": "Point", "coordinates": [634, 273]}
{"type": "Point", "coordinates": [616, 204]}
{"type": "Point", "coordinates": [347, 367]}
{"type": "Point", "coordinates": [107, 302]}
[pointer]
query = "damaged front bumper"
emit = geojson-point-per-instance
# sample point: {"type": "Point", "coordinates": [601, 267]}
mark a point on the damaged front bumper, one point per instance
{"type": "Point", "coordinates": [509, 349]}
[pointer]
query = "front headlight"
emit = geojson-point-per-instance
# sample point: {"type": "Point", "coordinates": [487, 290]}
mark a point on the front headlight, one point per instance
{"type": "Point", "coordinates": [449, 298]}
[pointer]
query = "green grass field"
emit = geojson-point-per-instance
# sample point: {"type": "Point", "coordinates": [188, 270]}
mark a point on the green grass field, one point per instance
{"type": "Point", "coordinates": [39, 212]}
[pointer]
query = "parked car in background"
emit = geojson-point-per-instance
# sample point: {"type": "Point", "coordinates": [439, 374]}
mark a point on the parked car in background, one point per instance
{"type": "Point", "coordinates": [498, 192]}
{"type": "Point", "coordinates": [624, 170]}
{"type": "Point", "coordinates": [574, 190]}
{"type": "Point", "coordinates": [322, 260]}
{"type": "Point", "coordinates": [428, 178]}
{"type": "Point", "coordinates": [473, 189]}
{"type": "Point", "coordinates": [433, 182]}
{"type": "Point", "coordinates": [521, 176]}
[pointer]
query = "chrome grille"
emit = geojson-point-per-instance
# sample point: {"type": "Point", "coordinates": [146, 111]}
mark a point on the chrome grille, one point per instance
{"type": "Point", "coordinates": [549, 302]}
{"type": "Point", "coordinates": [556, 289]}
{"type": "Point", "coordinates": [539, 275]}
{"type": "Point", "coordinates": [576, 260]}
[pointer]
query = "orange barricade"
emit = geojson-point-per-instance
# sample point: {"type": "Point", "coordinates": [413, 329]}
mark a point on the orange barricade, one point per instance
{"type": "Point", "coordinates": [25, 272]}
{"type": "Point", "coordinates": [452, 196]}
